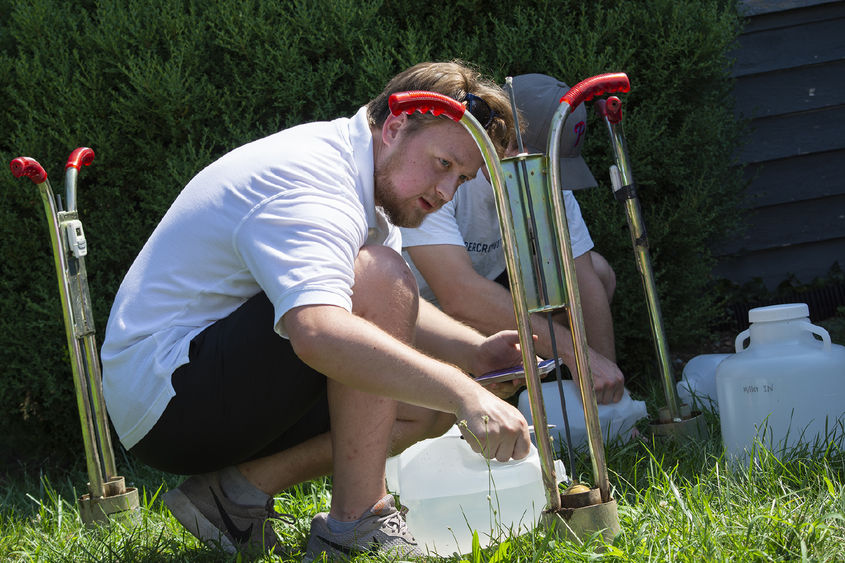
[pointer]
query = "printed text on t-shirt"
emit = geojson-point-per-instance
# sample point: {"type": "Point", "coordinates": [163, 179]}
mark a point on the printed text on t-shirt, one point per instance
{"type": "Point", "coordinates": [481, 247]}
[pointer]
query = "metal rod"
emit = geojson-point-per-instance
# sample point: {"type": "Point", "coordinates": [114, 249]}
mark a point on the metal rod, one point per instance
{"type": "Point", "coordinates": [70, 187]}
{"type": "Point", "coordinates": [576, 320]}
{"type": "Point", "coordinates": [98, 405]}
{"type": "Point", "coordinates": [624, 189]}
{"type": "Point", "coordinates": [83, 325]}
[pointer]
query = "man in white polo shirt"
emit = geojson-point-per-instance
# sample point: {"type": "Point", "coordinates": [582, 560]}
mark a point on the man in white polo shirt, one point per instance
{"type": "Point", "coordinates": [457, 256]}
{"type": "Point", "coordinates": [270, 332]}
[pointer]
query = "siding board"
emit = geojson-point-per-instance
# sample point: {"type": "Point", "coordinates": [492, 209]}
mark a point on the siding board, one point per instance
{"type": "Point", "coordinates": [789, 90]}
{"type": "Point", "coordinates": [795, 134]}
{"type": "Point", "coordinates": [809, 176]}
{"type": "Point", "coordinates": [789, 70]}
{"type": "Point", "coordinates": [805, 262]}
{"type": "Point", "coordinates": [773, 14]}
{"type": "Point", "coordinates": [790, 224]}
{"type": "Point", "coordinates": [788, 47]}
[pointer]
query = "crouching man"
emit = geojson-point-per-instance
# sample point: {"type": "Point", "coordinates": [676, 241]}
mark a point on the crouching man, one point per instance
{"type": "Point", "coordinates": [269, 332]}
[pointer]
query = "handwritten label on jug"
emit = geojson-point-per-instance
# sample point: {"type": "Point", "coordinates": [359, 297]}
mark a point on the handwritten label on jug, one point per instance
{"type": "Point", "coordinates": [765, 388]}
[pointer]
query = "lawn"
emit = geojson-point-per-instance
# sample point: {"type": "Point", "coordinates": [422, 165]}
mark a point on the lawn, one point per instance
{"type": "Point", "coordinates": [678, 501]}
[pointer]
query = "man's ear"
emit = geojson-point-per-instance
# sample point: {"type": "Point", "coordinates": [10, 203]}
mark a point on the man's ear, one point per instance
{"type": "Point", "coordinates": [392, 127]}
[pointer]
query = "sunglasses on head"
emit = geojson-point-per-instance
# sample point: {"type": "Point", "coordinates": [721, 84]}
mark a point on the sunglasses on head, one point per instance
{"type": "Point", "coordinates": [479, 109]}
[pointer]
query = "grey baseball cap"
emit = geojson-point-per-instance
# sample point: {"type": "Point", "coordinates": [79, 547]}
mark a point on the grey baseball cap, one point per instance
{"type": "Point", "coordinates": [537, 97]}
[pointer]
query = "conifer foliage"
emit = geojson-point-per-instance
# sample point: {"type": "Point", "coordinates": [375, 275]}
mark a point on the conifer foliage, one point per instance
{"type": "Point", "coordinates": [160, 88]}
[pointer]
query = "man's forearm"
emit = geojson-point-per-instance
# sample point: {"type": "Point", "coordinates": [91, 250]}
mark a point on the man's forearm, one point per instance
{"type": "Point", "coordinates": [364, 357]}
{"type": "Point", "coordinates": [446, 338]}
{"type": "Point", "coordinates": [488, 307]}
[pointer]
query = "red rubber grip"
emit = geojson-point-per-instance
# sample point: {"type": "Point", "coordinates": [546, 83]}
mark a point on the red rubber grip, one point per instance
{"type": "Point", "coordinates": [610, 109]}
{"type": "Point", "coordinates": [614, 109]}
{"type": "Point", "coordinates": [596, 86]}
{"type": "Point", "coordinates": [25, 166]}
{"type": "Point", "coordinates": [418, 100]}
{"type": "Point", "coordinates": [80, 156]}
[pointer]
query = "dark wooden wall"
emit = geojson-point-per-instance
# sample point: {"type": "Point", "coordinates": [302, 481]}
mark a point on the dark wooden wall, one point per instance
{"type": "Point", "coordinates": [790, 82]}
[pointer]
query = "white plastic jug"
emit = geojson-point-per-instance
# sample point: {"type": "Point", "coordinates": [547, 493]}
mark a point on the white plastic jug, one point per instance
{"type": "Point", "coordinates": [786, 388]}
{"type": "Point", "coordinates": [616, 419]}
{"type": "Point", "coordinates": [697, 386]}
{"type": "Point", "coordinates": [451, 491]}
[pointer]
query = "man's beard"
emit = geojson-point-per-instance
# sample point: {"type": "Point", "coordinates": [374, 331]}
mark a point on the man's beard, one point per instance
{"type": "Point", "coordinates": [385, 196]}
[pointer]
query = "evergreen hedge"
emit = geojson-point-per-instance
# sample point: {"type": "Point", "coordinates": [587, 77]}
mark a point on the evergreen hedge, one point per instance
{"type": "Point", "coordinates": [160, 88]}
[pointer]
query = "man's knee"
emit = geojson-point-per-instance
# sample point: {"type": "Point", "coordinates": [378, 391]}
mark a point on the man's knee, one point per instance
{"type": "Point", "coordinates": [605, 273]}
{"type": "Point", "coordinates": [384, 284]}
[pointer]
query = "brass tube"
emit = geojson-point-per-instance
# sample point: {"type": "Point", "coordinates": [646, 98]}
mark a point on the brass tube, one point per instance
{"type": "Point", "coordinates": [523, 320]}
{"type": "Point", "coordinates": [622, 177]}
{"type": "Point", "coordinates": [576, 319]}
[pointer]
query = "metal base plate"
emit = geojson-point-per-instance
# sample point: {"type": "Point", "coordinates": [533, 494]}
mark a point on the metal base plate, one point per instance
{"type": "Point", "coordinates": [694, 428]}
{"type": "Point", "coordinates": [103, 510]}
{"type": "Point", "coordinates": [579, 524]}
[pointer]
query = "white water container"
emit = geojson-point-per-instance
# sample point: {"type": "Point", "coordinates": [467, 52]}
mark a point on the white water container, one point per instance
{"type": "Point", "coordinates": [451, 491]}
{"type": "Point", "coordinates": [697, 386]}
{"type": "Point", "coordinates": [786, 388]}
{"type": "Point", "coordinates": [617, 420]}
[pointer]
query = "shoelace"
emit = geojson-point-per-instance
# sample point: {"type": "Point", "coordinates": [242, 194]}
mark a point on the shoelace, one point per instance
{"type": "Point", "coordinates": [395, 522]}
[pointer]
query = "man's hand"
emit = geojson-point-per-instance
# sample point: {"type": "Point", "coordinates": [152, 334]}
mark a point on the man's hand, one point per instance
{"type": "Point", "coordinates": [506, 389]}
{"type": "Point", "coordinates": [494, 428]}
{"type": "Point", "coordinates": [498, 351]}
{"type": "Point", "coordinates": [608, 381]}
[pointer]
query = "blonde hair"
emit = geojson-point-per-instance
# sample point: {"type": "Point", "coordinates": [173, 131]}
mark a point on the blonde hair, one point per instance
{"type": "Point", "coordinates": [454, 79]}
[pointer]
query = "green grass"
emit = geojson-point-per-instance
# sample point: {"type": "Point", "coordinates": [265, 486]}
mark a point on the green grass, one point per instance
{"type": "Point", "coordinates": [677, 501]}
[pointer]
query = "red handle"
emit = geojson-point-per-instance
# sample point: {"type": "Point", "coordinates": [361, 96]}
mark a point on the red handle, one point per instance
{"type": "Point", "coordinates": [25, 166]}
{"type": "Point", "coordinates": [437, 104]}
{"type": "Point", "coordinates": [610, 109]}
{"type": "Point", "coordinates": [596, 86]}
{"type": "Point", "coordinates": [80, 156]}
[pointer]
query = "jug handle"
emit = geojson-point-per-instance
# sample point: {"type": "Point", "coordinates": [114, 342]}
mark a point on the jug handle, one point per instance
{"type": "Point", "coordinates": [810, 327]}
{"type": "Point", "coordinates": [740, 339]}
{"type": "Point", "coordinates": [818, 331]}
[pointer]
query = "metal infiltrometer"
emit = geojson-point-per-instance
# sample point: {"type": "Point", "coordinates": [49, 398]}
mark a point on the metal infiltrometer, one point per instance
{"type": "Point", "coordinates": [675, 419]}
{"type": "Point", "coordinates": [542, 278]}
{"type": "Point", "coordinates": [534, 192]}
{"type": "Point", "coordinates": [107, 492]}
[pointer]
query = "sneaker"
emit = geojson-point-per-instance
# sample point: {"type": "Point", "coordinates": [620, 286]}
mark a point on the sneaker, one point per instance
{"type": "Point", "coordinates": [203, 508]}
{"type": "Point", "coordinates": [380, 530]}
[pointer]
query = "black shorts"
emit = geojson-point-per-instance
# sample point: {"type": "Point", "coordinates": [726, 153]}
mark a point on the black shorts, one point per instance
{"type": "Point", "coordinates": [243, 395]}
{"type": "Point", "coordinates": [503, 280]}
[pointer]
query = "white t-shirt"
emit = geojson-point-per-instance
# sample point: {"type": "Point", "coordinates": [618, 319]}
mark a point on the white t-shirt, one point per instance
{"type": "Point", "coordinates": [471, 220]}
{"type": "Point", "coordinates": [286, 214]}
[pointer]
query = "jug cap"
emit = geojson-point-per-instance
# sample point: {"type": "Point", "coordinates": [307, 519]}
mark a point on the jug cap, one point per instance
{"type": "Point", "coordinates": [785, 312]}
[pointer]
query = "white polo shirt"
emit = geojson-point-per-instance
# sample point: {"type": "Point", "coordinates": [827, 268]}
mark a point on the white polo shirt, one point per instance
{"type": "Point", "coordinates": [471, 220]}
{"type": "Point", "coordinates": [286, 214]}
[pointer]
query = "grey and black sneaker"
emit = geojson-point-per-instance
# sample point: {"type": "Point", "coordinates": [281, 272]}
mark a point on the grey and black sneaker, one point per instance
{"type": "Point", "coordinates": [381, 530]}
{"type": "Point", "coordinates": [204, 509]}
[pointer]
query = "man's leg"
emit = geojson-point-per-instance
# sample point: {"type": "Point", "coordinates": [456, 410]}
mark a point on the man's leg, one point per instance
{"type": "Point", "coordinates": [362, 514]}
{"type": "Point", "coordinates": [385, 293]}
{"type": "Point", "coordinates": [605, 273]}
{"type": "Point", "coordinates": [313, 458]}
